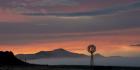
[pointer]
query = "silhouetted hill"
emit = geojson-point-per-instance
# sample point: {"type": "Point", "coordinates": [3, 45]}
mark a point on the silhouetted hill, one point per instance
{"type": "Point", "coordinates": [50, 54]}
{"type": "Point", "coordinates": [97, 55]}
{"type": "Point", "coordinates": [8, 58]}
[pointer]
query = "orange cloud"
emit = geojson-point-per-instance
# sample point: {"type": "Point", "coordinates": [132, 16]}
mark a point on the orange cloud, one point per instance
{"type": "Point", "coordinates": [106, 45]}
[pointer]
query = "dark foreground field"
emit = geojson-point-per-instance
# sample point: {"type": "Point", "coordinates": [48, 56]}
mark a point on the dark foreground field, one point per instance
{"type": "Point", "coordinates": [66, 67]}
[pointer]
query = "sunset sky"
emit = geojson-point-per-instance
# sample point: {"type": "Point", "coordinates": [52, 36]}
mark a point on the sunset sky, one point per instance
{"type": "Point", "coordinates": [29, 26]}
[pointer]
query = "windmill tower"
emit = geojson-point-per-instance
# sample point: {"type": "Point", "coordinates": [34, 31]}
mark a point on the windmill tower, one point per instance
{"type": "Point", "coordinates": [92, 49]}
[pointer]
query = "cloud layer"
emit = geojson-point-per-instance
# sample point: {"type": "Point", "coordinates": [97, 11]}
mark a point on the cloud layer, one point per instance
{"type": "Point", "coordinates": [69, 7]}
{"type": "Point", "coordinates": [104, 11]}
{"type": "Point", "coordinates": [72, 23]}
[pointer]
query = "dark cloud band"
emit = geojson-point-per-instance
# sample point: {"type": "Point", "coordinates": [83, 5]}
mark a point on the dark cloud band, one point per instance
{"type": "Point", "coordinates": [105, 11]}
{"type": "Point", "coordinates": [136, 45]}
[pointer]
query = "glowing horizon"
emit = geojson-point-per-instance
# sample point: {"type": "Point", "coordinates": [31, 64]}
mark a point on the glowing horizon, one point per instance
{"type": "Point", "coordinates": [116, 45]}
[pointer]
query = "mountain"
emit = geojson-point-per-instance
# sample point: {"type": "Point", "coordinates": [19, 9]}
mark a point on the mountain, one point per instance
{"type": "Point", "coordinates": [97, 55]}
{"type": "Point", "coordinates": [57, 53]}
{"type": "Point", "coordinates": [99, 60]}
{"type": "Point", "coordinates": [8, 58]}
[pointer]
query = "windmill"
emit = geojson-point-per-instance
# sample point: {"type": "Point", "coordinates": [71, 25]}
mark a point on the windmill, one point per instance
{"type": "Point", "coordinates": [91, 49]}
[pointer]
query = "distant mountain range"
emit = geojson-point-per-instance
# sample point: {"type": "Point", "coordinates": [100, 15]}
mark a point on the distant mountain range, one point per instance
{"type": "Point", "coordinates": [64, 57]}
{"type": "Point", "coordinates": [57, 53]}
{"type": "Point", "coordinates": [7, 58]}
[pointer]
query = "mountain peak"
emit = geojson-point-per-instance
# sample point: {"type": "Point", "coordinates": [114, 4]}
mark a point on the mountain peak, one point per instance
{"type": "Point", "coordinates": [55, 51]}
{"type": "Point", "coordinates": [60, 53]}
{"type": "Point", "coordinates": [59, 49]}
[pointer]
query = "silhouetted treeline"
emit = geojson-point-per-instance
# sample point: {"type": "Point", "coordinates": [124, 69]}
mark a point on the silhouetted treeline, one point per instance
{"type": "Point", "coordinates": [8, 58]}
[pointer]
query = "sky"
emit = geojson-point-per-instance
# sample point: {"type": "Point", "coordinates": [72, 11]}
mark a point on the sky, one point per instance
{"type": "Point", "coordinates": [29, 26]}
